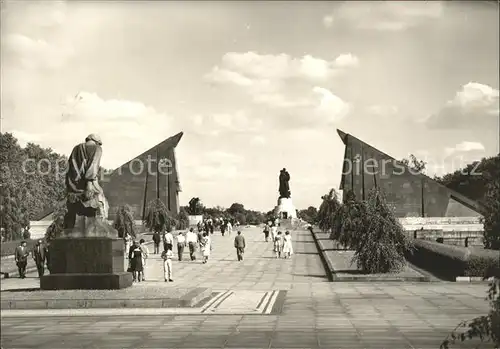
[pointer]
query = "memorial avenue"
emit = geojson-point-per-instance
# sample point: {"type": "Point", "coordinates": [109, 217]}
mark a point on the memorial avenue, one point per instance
{"type": "Point", "coordinates": [253, 174]}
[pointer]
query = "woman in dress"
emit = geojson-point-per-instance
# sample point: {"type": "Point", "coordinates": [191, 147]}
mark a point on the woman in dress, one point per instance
{"type": "Point", "coordinates": [287, 245]}
{"type": "Point", "coordinates": [135, 256]}
{"type": "Point", "coordinates": [206, 247]}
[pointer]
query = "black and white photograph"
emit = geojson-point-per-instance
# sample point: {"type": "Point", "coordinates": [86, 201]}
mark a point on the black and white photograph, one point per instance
{"type": "Point", "coordinates": [249, 174]}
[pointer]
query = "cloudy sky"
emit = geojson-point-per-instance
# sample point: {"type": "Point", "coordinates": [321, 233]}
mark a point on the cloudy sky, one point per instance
{"type": "Point", "coordinates": [255, 86]}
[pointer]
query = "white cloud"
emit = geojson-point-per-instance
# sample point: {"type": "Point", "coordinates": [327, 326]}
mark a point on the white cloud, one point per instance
{"type": "Point", "coordinates": [87, 106]}
{"type": "Point", "coordinates": [223, 75]}
{"type": "Point", "coordinates": [347, 60]}
{"type": "Point", "coordinates": [258, 140]}
{"type": "Point", "coordinates": [34, 53]}
{"type": "Point", "coordinates": [328, 21]}
{"type": "Point", "coordinates": [464, 147]}
{"type": "Point", "coordinates": [217, 123]}
{"type": "Point", "coordinates": [287, 83]}
{"type": "Point", "coordinates": [384, 15]}
{"type": "Point", "coordinates": [474, 106]}
{"type": "Point", "coordinates": [121, 124]}
{"type": "Point", "coordinates": [242, 68]}
{"type": "Point", "coordinates": [331, 105]}
{"type": "Point", "coordinates": [382, 110]}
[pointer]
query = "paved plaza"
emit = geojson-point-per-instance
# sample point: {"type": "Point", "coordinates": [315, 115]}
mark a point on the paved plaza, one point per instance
{"type": "Point", "coordinates": [261, 302]}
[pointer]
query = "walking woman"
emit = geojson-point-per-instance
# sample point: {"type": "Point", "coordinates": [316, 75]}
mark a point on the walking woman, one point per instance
{"type": "Point", "coordinates": [136, 265]}
{"type": "Point", "coordinates": [287, 245]}
{"type": "Point", "coordinates": [206, 247]}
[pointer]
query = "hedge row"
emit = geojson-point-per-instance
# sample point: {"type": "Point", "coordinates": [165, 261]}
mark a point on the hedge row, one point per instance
{"type": "Point", "coordinates": [448, 261]}
{"type": "Point", "coordinates": [9, 247]}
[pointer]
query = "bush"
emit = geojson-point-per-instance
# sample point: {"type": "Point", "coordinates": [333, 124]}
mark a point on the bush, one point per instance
{"type": "Point", "coordinates": [491, 219]}
{"type": "Point", "coordinates": [383, 245]}
{"type": "Point", "coordinates": [158, 218]}
{"type": "Point", "coordinates": [348, 221]}
{"type": "Point", "coordinates": [124, 221]}
{"type": "Point", "coordinates": [328, 210]}
{"type": "Point", "coordinates": [486, 328]}
{"type": "Point", "coordinates": [448, 262]}
{"type": "Point", "coordinates": [482, 266]}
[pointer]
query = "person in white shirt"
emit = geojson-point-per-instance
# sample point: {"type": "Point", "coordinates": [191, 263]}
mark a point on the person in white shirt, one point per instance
{"type": "Point", "coordinates": [145, 255]}
{"type": "Point", "coordinates": [181, 243]}
{"type": "Point", "coordinates": [191, 240]}
{"type": "Point", "coordinates": [274, 232]}
{"type": "Point", "coordinates": [168, 241]}
{"type": "Point", "coordinates": [229, 228]}
{"type": "Point", "coordinates": [167, 256]}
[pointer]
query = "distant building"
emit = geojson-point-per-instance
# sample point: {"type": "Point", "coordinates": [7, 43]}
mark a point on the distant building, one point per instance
{"type": "Point", "coordinates": [410, 194]}
{"type": "Point", "coordinates": [129, 185]}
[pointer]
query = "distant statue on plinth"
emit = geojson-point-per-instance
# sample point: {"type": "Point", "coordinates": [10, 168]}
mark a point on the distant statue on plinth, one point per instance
{"type": "Point", "coordinates": [85, 196]}
{"type": "Point", "coordinates": [284, 188]}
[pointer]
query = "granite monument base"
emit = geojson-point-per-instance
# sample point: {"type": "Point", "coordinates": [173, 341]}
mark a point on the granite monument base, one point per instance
{"type": "Point", "coordinates": [87, 281]}
{"type": "Point", "coordinates": [86, 263]}
{"type": "Point", "coordinates": [285, 209]}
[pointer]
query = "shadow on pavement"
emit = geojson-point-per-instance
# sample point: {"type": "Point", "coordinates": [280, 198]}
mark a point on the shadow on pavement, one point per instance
{"type": "Point", "coordinates": [311, 276]}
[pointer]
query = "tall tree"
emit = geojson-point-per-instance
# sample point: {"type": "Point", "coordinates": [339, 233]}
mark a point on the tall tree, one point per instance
{"type": "Point", "coordinates": [383, 245]}
{"type": "Point", "coordinates": [349, 221]}
{"type": "Point", "coordinates": [158, 218]}
{"type": "Point", "coordinates": [491, 218]}
{"type": "Point", "coordinates": [328, 212]}
{"type": "Point", "coordinates": [124, 221]}
{"type": "Point", "coordinates": [414, 163]}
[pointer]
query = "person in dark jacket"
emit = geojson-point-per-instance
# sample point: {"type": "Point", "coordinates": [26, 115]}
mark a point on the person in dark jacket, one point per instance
{"type": "Point", "coordinates": [156, 242]}
{"type": "Point", "coordinates": [239, 244]}
{"type": "Point", "coordinates": [136, 262]}
{"type": "Point", "coordinates": [21, 258]}
{"type": "Point", "coordinates": [39, 256]}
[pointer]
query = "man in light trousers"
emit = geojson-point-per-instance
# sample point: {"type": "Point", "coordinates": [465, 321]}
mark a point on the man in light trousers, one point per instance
{"type": "Point", "coordinates": [167, 256]}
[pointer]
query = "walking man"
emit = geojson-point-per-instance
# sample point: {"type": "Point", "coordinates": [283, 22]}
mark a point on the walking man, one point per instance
{"type": "Point", "coordinates": [239, 244]}
{"type": "Point", "coordinates": [191, 239]}
{"type": "Point", "coordinates": [156, 242]}
{"type": "Point", "coordinates": [181, 242]}
{"type": "Point", "coordinates": [168, 241]}
{"type": "Point", "coordinates": [21, 257]}
{"type": "Point", "coordinates": [39, 257]}
{"type": "Point", "coordinates": [167, 256]}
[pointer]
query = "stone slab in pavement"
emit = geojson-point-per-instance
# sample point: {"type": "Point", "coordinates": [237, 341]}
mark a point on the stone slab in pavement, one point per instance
{"type": "Point", "coordinates": [315, 313]}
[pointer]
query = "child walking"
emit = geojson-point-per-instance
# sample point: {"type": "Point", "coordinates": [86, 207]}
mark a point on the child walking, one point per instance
{"type": "Point", "coordinates": [167, 256]}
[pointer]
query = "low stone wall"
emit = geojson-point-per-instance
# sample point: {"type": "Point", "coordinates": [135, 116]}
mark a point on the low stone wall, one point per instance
{"type": "Point", "coordinates": [454, 224]}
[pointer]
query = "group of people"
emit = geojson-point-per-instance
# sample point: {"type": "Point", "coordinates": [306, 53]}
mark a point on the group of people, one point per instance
{"type": "Point", "coordinates": [224, 224]}
{"type": "Point", "coordinates": [39, 253]}
{"type": "Point", "coordinates": [282, 243]}
{"type": "Point", "coordinates": [138, 252]}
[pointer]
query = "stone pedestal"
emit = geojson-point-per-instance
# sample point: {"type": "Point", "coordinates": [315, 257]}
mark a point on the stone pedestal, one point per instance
{"type": "Point", "coordinates": [194, 220]}
{"type": "Point", "coordinates": [93, 260]}
{"type": "Point", "coordinates": [285, 209]}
